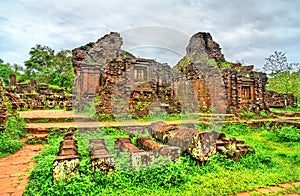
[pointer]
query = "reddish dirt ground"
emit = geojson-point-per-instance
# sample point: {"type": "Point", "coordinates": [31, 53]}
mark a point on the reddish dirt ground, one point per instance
{"type": "Point", "coordinates": [271, 189]}
{"type": "Point", "coordinates": [15, 170]}
{"type": "Point", "coordinates": [50, 114]}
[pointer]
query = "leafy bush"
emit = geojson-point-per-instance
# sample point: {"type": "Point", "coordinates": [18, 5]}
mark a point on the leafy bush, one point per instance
{"type": "Point", "coordinates": [238, 129]}
{"type": "Point", "coordinates": [286, 134]}
{"type": "Point", "coordinates": [9, 138]}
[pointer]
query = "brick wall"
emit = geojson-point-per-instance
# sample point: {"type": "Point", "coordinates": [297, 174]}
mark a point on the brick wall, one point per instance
{"type": "Point", "coordinates": [277, 100]}
{"type": "Point", "coordinates": [130, 86]}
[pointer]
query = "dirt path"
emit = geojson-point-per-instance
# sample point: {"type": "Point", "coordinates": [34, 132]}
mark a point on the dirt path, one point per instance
{"type": "Point", "coordinates": [50, 114]}
{"type": "Point", "coordinates": [33, 127]}
{"type": "Point", "coordinates": [38, 127]}
{"type": "Point", "coordinates": [271, 189]}
{"type": "Point", "coordinates": [14, 170]}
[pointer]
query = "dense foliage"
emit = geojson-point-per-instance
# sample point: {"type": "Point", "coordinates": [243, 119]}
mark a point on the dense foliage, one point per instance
{"type": "Point", "coordinates": [285, 82]}
{"type": "Point", "coordinates": [284, 76]}
{"type": "Point", "coordinates": [275, 161]}
{"type": "Point", "coordinates": [49, 67]}
{"type": "Point", "coordinates": [9, 138]}
{"type": "Point", "coordinates": [5, 70]}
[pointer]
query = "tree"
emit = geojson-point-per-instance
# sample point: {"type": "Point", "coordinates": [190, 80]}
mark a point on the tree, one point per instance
{"type": "Point", "coordinates": [278, 63]}
{"type": "Point", "coordinates": [5, 71]}
{"type": "Point", "coordinates": [40, 64]}
{"type": "Point", "coordinates": [48, 67]}
{"type": "Point", "coordinates": [17, 68]}
{"type": "Point", "coordinates": [63, 74]}
{"type": "Point", "coordinates": [284, 76]}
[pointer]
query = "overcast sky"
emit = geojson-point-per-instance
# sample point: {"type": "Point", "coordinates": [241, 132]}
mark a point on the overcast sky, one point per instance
{"type": "Point", "coordinates": [246, 30]}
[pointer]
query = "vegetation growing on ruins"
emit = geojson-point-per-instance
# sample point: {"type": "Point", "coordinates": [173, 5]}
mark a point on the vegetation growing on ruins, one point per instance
{"type": "Point", "coordinates": [275, 161]}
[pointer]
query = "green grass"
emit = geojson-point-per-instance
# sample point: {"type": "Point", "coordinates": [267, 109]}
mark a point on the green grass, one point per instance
{"type": "Point", "coordinates": [276, 161]}
{"type": "Point", "coordinates": [288, 108]}
{"type": "Point", "coordinates": [9, 138]}
{"type": "Point", "coordinates": [50, 120]}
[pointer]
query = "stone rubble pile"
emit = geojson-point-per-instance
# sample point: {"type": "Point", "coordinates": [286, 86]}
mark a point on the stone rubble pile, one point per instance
{"type": "Point", "coordinates": [233, 147]}
{"type": "Point", "coordinates": [36, 96]}
{"type": "Point", "coordinates": [277, 100]}
{"type": "Point", "coordinates": [199, 144]}
{"type": "Point", "coordinates": [172, 152]}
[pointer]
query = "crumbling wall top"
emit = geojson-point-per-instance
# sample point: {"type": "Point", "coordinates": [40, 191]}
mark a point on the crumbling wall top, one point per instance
{"type": "Point", "coordinates": [101, 52]}
{"type": "Point", "coordinates": [203, 43]}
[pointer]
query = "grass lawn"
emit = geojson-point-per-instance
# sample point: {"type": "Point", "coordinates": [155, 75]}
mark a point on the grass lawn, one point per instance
{"type": "Point", "coordinates": [276, 161]}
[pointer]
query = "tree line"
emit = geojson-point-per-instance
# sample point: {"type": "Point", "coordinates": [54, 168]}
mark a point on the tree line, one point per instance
{"type": "Point", "coordinates": [284, 77]}
{"type": "Point", "coordinates": [55, 68]}
{"type": "Point", "coordinates": [45, 65]}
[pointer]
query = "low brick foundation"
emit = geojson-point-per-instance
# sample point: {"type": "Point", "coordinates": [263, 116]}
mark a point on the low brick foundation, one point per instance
{"type": "Point", "coordinates": [172, 152]}
{"type": "Point", "coordinates": [66, 164]}
{"type": "Point", "coordinates": [100, 157]}
{"type": "Point", "coordinates": [138, 158]}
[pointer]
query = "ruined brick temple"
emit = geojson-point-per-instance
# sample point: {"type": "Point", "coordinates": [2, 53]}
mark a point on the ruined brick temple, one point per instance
{"type": "Point", "coordinates": [34, 96]}
{"type": "Point", "coordinates": [121, 84]}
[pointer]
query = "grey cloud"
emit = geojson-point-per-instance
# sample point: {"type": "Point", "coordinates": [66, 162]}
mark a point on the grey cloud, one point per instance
{"type": "Point", "coordinates": [245, 29]}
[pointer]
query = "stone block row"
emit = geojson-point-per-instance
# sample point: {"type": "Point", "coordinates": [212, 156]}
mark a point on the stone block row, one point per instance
{"type": "Point", "coordinates": [199, 144]}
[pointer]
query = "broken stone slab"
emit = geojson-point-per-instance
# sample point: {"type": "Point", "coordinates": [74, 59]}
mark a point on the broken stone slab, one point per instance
{"type": "Point", "coordinates": [147, 143]}
{"type": "Point", "coordinates": [68, 142]}
{"type": "Point", "coordinates": [97, 146]}
{"type": "Point", "coordinates": [98, 140]}
{"type": "Point", "coordinates": [199, 144]}
{"type": "Point", "coordinates": [172, 152]}
{"type": "Point", "coordinates": [141, 159]}
{"type": "Point", "coordinates": [69, 136]}
{"type": "Point", "coordinates": [100, 157]}
{"type": "Point", "coordinates": [125, 145]}
{"type": "Point", "coordinates": [103, 162]}
{"type": "Point", "coordinates": [65, 167]}
{"type": "Point", "coordinates": [138, 158]}
{"type": "Point", "coordinates": [67, 151]}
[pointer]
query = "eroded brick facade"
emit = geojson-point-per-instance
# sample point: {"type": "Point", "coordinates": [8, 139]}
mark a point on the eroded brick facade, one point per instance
{"type": "Point", "coordinates": [128, 86]}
